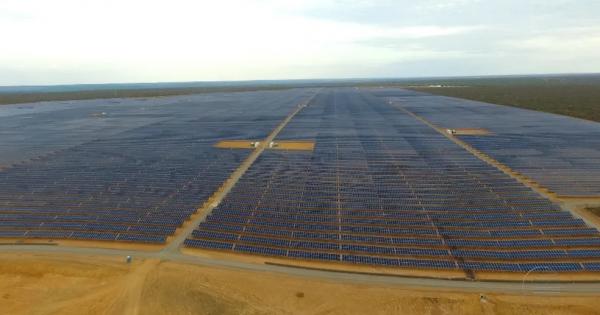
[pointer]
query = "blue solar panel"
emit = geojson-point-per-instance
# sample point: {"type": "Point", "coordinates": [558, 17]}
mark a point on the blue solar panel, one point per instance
{"type": "Point", "coordinates": [558, 152]}
{"type": "Point", "coordinates": [592, 266]}
{"type": "Point", "coordinates": [135, 173]}
{"type": "Point", "coordinates": [383, 188]}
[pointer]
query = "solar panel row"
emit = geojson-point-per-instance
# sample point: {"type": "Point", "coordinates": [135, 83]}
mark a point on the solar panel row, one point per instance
{"type": "Point", "coordinates": [442, 264]}
{"type": "Point", "coordinates": [383, 188]}
{"type": "Point", "coordinates": [560, 153]}
{"type": "Point", "coordinates": [136, 183]}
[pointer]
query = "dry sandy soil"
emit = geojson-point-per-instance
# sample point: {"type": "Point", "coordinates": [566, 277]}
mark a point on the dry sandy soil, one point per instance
{"type": "Point", "coordinates": [44, 284]}
{"type": "Point", "coordinates": [471, 131]}
{"type": "Point", "coordinates": [305, 145]}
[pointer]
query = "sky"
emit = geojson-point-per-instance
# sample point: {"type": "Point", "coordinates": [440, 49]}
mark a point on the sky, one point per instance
{"type": "Point", "coordinates": [106, 41]}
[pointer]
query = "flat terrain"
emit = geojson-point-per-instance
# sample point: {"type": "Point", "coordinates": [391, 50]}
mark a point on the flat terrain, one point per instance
{"type": "Point", "coordinates": [572, 95]}
{"type": "Point", "coordinates": [576, 100]}
{"type": "Point", "coordinates": [595, 210]}
{"type": "Point", "coordinates": [558, 152]}
{"type": "Point", "coordinates": [20, 97]}
{"type": "Point", "coordinates": [385, 186]}
{"type": "Point", "coordinates": [382, 187]}
{"type": "Point", "coordinates": [39, 284]}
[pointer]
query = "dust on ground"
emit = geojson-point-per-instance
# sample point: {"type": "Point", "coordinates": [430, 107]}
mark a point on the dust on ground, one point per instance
{"type": "Point", "coordinates": [299, 145]}
{"type": "Point", "coordinates": [469, 132]}
{"type": "Point", "coordinates": [304, 145]}
{"type": "Point", "coordinates": [70, 284]}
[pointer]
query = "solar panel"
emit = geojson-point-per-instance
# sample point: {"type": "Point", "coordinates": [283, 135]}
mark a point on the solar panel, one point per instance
{"type": "Point", "coordinates": [383, 188]}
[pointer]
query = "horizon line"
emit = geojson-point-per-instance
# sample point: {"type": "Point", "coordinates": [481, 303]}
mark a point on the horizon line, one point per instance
{"type": "Point", "coordinates": [308, 79]}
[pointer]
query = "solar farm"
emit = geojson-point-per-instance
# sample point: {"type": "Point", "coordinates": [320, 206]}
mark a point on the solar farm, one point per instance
{"type": "Point", "coordinates": [380, 184]}
{"type": "Point", "coordinates": [135, 185]}
{"type": "Point", "coordinates": [561, 153]}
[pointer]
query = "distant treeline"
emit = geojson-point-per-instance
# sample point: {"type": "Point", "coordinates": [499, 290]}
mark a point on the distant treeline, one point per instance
{"type": "Point", "coordinates": [16, 98]}
{"type": "Point", "coordinates": [530, 80]}
{"type": "Point", "coordinates": [575, 95]}
{"type": "Point", "coordinates": [571, 99]}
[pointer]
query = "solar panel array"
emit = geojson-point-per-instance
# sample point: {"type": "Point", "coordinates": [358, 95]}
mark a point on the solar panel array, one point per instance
{"type": "Point", "coordinates": [559, 152]}
{"type": "Point", "coordinates": [138, 183]}
{"type": "Point", "coordinates": [33, 130]}
{"type": "Point", "coordinates": [382, 188]}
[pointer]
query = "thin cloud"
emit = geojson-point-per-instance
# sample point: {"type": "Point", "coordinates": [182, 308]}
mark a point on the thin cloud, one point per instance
{"type": "Point", "coordinates": [72, 41]}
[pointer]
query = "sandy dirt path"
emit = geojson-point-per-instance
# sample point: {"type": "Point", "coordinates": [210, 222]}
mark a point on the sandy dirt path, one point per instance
{"type": "Point", "coordinates": [71, 284]}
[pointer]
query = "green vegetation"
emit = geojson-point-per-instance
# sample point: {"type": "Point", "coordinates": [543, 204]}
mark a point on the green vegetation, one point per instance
{"type": "Point", "coordinates": [577, 97]}
{"type": "Point", "coordinates": [572, 95]}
